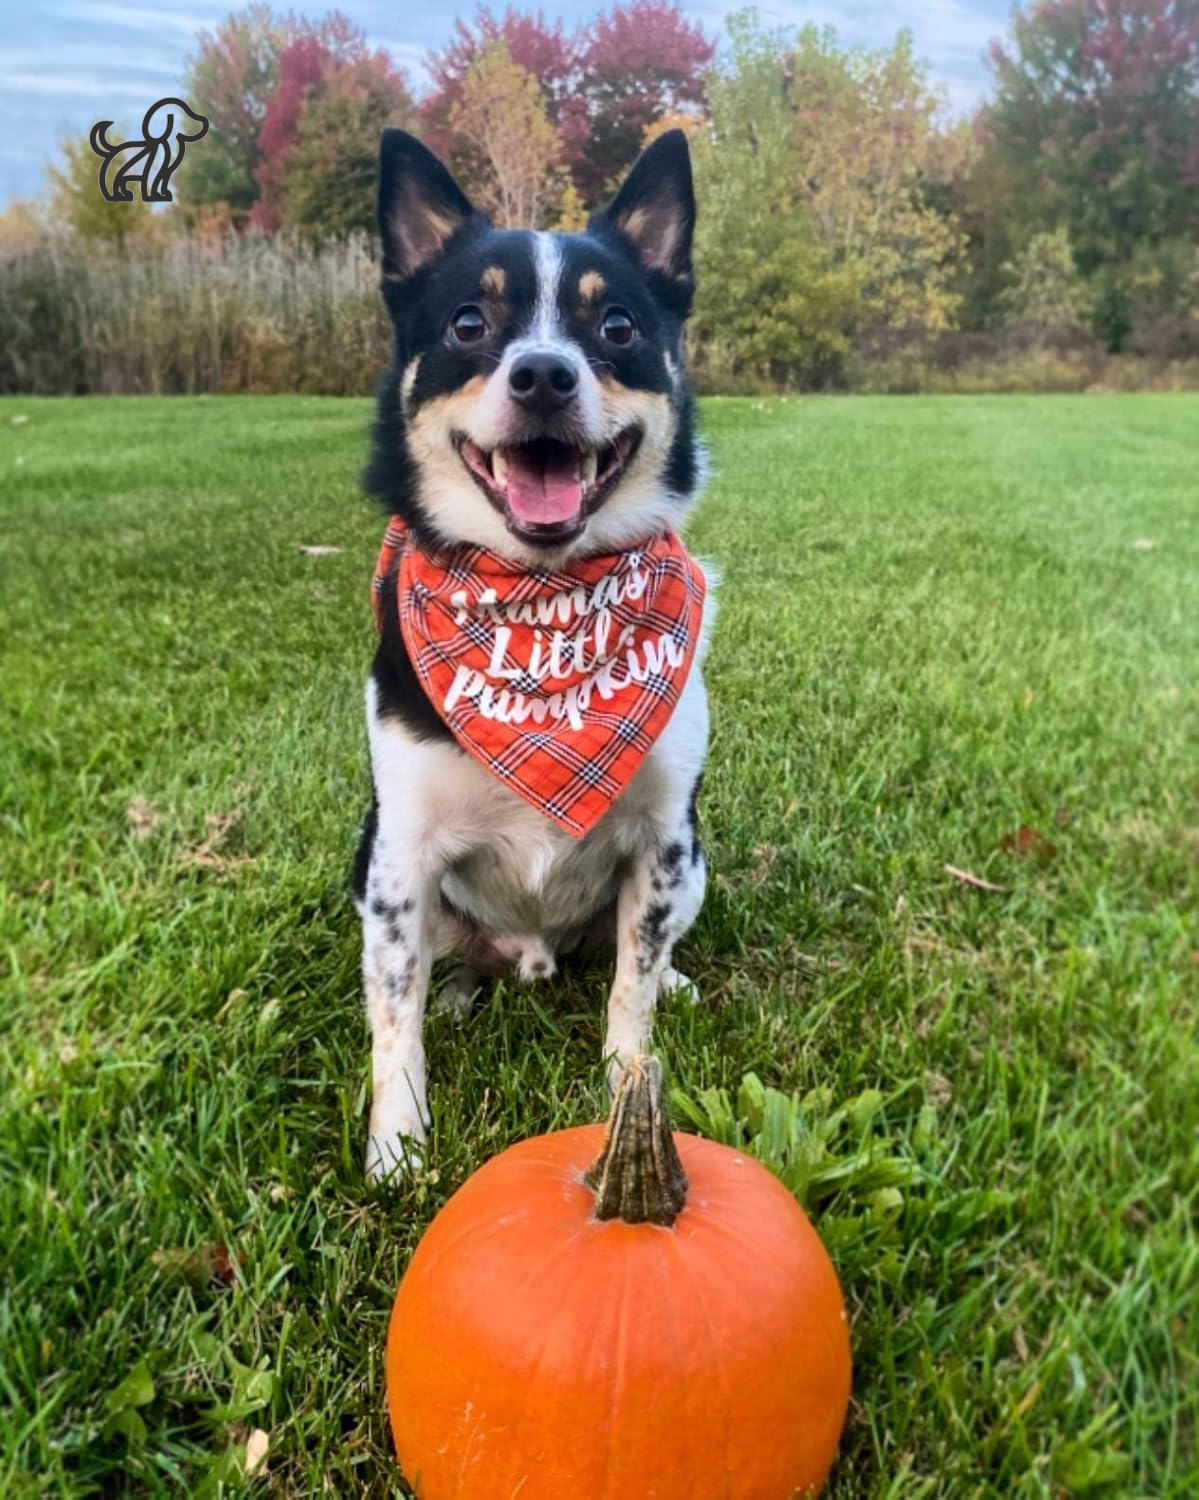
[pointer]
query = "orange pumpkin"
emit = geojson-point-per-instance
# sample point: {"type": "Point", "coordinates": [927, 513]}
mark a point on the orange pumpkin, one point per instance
{"type": "Point", "coordinates": [663, 1326]}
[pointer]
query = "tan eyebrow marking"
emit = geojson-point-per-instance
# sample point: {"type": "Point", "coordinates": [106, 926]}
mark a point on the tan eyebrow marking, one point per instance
{"type": "Point", "coordinates": [592, 286]}
{"type": "Point", "coordinates": [494, 281]}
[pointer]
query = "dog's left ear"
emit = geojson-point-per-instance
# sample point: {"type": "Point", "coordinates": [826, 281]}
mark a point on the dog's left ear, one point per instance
{"type": "Point", "coordinates": [655, 208]}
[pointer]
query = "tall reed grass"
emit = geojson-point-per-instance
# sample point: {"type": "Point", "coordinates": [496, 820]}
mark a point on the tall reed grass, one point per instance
{"type": "Point", "coordinates": [244, 313]}
{"type": "Point", "coordinates": [258, 314]}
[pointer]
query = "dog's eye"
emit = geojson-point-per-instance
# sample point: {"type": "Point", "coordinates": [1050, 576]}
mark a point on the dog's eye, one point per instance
{"type": "Point", "coordinates": [468, 325]}
{"type": "Point", "coordinates": [618, 327]}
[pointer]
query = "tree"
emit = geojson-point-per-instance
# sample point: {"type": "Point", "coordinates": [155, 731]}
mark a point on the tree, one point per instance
{"type": "Point", "coordinates": [542, 49]}
{"type": "Point", "coordinates": [602, 87]}
{"type": "Point", "coordinates": [1095, 122]}
{"type": "Point", "coordinates": [770, 301]}
{"type": "Point", "coordinates": [76, 199]}
{"type": "Point", "coordinates": [818, 215]}
{"type": "Point", "coordinates": [232, 79]}
{"type": "Point", "coordinates": [329, 180]}
{"type": "Point", "coordinates": [316, 52]}
{"type": "Point", "coordinates": [640, 61]}
{"type": "Point", "coordinates": [1043, 285]}
{"type": "Point", "coordinates": [502, 115]}
{"type": "Point", "coordinates": [252, 77]}
{"type": "Point", "coordinates": [866, 151]}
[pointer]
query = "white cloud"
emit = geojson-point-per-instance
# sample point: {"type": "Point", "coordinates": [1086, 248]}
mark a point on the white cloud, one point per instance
{"type": "Point", "coordinates": [141, 18]}
{"type": "Point", "coordinates": [100, 87]}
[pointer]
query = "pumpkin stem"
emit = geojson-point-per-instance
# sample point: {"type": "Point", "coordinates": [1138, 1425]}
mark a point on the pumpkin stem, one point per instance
{"type": "Point", "coordinates": [638, 1176]}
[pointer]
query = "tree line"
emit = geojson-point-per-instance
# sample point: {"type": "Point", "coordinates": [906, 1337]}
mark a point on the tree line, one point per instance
{"type": "Point", "coordinates": [845, 219]}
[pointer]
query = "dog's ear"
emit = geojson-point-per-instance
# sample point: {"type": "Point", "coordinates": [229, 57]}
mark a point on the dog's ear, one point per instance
{"type": "Point", "coordinates": [654, 211]}
{"type": "Point", "coordinates": [421, 207]}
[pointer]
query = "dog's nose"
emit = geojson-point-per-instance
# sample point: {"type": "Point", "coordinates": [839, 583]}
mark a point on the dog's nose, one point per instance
{"type": "Point", "coordinates": [543, 382]}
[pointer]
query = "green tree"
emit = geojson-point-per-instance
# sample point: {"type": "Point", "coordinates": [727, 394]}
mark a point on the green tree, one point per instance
{"type": "Point", "coordinates": [770, 300]}
{"type": "Point", "coordinates": [502, 115]}
{"type": "Point", "coordinates": [232, 79]}
{"type": "Point", "coordinates": [1095, 125]}
{"type": "Point", "coordinates": [329, 181]}
{"type": "Point", "coordinates": [1043, 285]}
{"type": "Point", "coordinates": [76, 199]}
{"type": "Point", "coordinates": [818, 215]}
{"type": "Point", "coordinates": [867, 152]}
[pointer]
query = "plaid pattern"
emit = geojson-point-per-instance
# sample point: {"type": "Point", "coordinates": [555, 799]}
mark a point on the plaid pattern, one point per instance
{"type": "Point", "coordinates": [578, 737]}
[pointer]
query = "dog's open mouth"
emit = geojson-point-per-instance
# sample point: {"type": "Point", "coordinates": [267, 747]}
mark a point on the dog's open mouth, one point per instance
{"type": "Point", "coordinates": [546, 489]}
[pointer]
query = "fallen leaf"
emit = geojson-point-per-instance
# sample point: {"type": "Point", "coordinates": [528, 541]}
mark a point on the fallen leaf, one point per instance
{"type": "Point", "coordinates": [1143, 544]}
{"type": "Point", "coordinates": [976, 882]}
{"type": "Point", "coordinates": [257, 1445]}
{"type": "Point", "coordinates": [18, 421]}
{"type": "Point", "coordinates": [1027, 841]}
{"type": "Point", "coordinates": [937, 1089]}
{"type": "Point", "coordinates": [143, 817]}
{"type": "Point", "coordinates": [201, 1265]}
{"type": "Point", "coordinates": [321, 551]}
{"type": "Point", "coordinates": [218, 825]}
{"type": "Point", "coordinates": [207, 854]}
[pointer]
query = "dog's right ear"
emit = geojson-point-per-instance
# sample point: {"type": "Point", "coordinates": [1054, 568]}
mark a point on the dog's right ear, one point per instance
{"type": "Point", "coordinates": [421, 207]}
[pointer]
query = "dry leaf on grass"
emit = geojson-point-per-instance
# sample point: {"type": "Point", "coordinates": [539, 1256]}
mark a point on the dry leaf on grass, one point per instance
{"type": "Point", "coordinates": [200, 1265]}
{"type": "Point", "coordinates": [975, 882]}
{"type": "Point", "coordinates": [937, 1089]}
{"type": "Point", "coordinates": [207, 854]}
{"type": "Point", "coordinates": [1027, 841]}
{"type": "Point", "coordinates": [257, 1445]}
{"type": "Point", "coordinates": [143, 817]}
{"type": "Point", "coordinates": [1143, 544]}
{"type": "Point", "coordinates": [321, 551]}
{"type": "Point", "coordinates": [18, 420]}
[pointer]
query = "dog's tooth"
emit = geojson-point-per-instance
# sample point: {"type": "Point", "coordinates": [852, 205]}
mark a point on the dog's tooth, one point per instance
{"type": "Point", "coordinates": [499, 466]}
{"type": "Point", "coordinates": [590, 466]}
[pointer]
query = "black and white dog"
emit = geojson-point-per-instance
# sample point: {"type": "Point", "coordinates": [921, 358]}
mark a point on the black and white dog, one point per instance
{"type": "Point", "coordinates": [536, 407]}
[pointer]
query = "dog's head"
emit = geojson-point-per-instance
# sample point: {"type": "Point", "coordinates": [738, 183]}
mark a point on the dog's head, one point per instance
{"type": "Point", "coordinates": [536, 403]}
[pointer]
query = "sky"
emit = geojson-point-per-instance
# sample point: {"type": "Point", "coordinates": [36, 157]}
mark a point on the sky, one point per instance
{"type": "Point", "coordinates": [64, 64]}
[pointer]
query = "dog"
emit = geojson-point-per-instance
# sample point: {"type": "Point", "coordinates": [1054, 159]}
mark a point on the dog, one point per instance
{"type": "Point", "coordinates": [536, 713]}
{"type": "Point", "coordinates": [154, 159]}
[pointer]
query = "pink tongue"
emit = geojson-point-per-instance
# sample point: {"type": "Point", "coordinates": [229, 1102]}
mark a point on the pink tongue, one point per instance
{"type": "Point", "coordinates": [543, 494]}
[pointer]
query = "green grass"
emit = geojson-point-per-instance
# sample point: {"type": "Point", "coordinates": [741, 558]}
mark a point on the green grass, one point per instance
{"type": "Point", "coordinates": [936, 629]}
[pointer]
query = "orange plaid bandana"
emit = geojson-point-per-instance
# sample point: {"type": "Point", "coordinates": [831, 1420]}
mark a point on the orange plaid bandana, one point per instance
{"type": "Point", "coordinates": [559, 682]}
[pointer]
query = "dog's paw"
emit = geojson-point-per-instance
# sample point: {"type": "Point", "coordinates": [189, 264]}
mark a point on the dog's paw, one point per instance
{"type": "Point", "coordinates": [391, 1156]}
{"type": "Point", "coordinates": [456, 997]}
{"type": "Point", "coordinates": [671, 982]}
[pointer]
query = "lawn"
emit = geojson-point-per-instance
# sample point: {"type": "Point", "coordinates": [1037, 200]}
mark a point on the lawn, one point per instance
{"type": "Point", "coordinates": [954, 632]}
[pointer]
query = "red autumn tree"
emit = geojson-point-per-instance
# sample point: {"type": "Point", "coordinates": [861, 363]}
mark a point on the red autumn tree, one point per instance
{"type": "Point", "coordinates": [231, 80]}
{"type": "Point", "coordinates": [530, 42]}
{"type": "Point", "coordinates": [1096, 114]}
{"type": "Point", "coordinates": [1094, 126]}
{"type": "Point", "coordinates": [328, 185]}
{"type": "Point", "coordinates": [301, 65]}
{"type": "Point", "coordinates": [603, 87]}
{"type": "Point", "coordinates": [639, 62]}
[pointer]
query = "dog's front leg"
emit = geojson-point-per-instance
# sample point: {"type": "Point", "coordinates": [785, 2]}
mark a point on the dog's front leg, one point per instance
{"type": "Point", "coordinates": [658, 901]}
{"type": "Point", "coordinates": [398, 921]}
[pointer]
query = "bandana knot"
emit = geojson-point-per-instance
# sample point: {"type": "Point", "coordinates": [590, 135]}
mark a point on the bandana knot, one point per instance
{"type": "Point", "coordinates": [557, 681]}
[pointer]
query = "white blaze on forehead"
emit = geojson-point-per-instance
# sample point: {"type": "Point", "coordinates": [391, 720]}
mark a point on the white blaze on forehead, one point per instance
{"type": "Point", "coordinates": [547, 257]}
